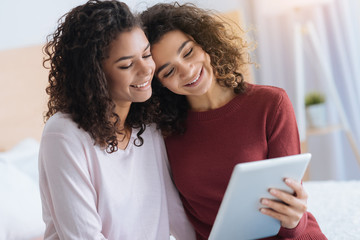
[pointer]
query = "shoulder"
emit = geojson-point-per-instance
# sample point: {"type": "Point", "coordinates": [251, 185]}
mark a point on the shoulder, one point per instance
{"type": "Point", "coordinates": [152, 137]}
{"type": "Point", "coordinates": [151, 132]}
{"type": "Point", "coordinates": [152, 129]}
{"type": "Point", "coordinates": [63, 141]}
{"type": "Point", "coordinates": [61, 124]}
{"type": "Point", "coordinates": [58, 120]}
{"type": "Point", "coordinates": [265, 91]}
{"type": "Point", "coordinates": [267, 95]}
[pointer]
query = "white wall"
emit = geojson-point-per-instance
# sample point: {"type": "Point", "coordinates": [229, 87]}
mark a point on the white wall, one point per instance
{"type": "Point", "coordinates": [28, 22]}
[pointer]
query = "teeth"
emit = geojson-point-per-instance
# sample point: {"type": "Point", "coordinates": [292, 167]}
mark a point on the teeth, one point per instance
{"type": "Point", "coordinates": [194, 80]}
{"type": "Point", "coordinates": [141, 85]}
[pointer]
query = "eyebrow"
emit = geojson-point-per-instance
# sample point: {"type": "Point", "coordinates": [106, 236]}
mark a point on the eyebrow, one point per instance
{"type": "Point", "coordinates": [128, 57]}
{"type": "Point", "coordinates": [182, 46]}
{"type": "Point", "coordinates": [178, 52]}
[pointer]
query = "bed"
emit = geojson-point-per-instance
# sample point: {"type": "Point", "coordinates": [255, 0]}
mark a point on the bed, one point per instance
{"type": "Point", "coordinates": [20, 205]}
{"type": "Point", "coordinates": [333, 203]}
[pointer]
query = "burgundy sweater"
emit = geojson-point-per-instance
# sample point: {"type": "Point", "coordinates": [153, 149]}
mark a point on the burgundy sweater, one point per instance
{"type": "Point", "coordinates": [258, 124]}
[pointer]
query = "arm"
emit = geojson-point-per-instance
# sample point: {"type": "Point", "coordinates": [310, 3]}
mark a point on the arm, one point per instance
{"type": "Point", "coordinates": [68, 196]}
{"type": "Point", "coordinates": [283, 139]}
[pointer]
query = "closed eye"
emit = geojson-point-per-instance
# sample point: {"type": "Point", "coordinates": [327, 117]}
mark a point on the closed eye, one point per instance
{"type": "Point", "coordinates": [189, 52]}
{"type": "Point", "coordinates": [169, 73]}
{"type": "Point", "coordinates": [147, 56]}
{"type": "Point", "coordinates": [126, 67]}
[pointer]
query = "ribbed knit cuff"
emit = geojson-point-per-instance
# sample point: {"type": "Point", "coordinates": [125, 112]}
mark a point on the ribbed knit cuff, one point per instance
{"type": "Point", "coordinates": [294, 232]}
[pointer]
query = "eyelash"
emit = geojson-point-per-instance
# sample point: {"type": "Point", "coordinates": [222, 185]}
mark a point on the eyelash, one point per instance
{"type": "Point", "coordinates": [169, 73]}
{"type": "Point", "coordinates": [171, 70]}
{"type": "Point", "coordinates": [189, 52]}
{"type": "Point", "coordinates": [127, 67]}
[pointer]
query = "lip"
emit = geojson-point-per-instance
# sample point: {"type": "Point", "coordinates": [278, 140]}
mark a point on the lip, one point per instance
{"type": "Point", "coordinates": [142, 86]}
{"type": "Point", "coordinates": [197, 80]}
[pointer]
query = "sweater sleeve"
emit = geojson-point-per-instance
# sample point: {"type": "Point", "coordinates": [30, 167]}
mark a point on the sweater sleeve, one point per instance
{"type": "Point", "coordinates": [282, 131]}
{"type": "Point", "coordinates": [68, 196]}
{"type": "Point", "coordinates": [180, 227]}
{"type": "Point", "coordinates": [283, 139]}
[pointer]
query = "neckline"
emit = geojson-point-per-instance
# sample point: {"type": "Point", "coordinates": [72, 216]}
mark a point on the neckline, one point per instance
{"type": "Point", "coordinates": [212, 114]}
{"type": "Point", "coordinates": [131, 141]}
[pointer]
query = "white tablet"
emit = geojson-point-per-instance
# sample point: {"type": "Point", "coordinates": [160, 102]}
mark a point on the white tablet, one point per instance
{"type": "Point", "coordinates": [239, 216]}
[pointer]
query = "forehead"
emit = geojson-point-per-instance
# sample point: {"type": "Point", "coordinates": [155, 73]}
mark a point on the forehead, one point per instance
{"type": "Point", "coordinates": [128, 43]}
{"type": "Point", "coordinates": [168, 45]}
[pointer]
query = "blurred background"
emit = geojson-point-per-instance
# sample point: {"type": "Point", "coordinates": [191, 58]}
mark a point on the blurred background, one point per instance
{"type": "Point", "coordinates": [303, 46]}
{"type": "Point", "coordinates": [308, 47]}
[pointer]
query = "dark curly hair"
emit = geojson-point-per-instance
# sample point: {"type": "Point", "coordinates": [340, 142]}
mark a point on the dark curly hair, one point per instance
{"type": "Point", "coordinates": [77, 83]}
{"type": "Point", "coordinates": [226, 46]}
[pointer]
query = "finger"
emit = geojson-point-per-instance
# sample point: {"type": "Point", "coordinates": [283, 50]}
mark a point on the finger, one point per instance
{"type": "Point", "coordinates": [277, 206]}
{"type": "Point", "coordinates": [288, 216]}
{"type": "Point", "coordinates": [270, 212]}
{"type": "Point", "coordinates": [283, 196]}
{"type": "Point", "coordinates": [298, 188]}
{"type": "Point", "coordinates": [285, 221]}
{"type": "Point", "coordinates": [297, 204]}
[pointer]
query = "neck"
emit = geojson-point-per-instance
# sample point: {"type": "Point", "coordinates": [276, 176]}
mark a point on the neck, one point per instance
{"type": "Point", "coordinates": [125, 131]}
{"type": "Point", "coordinates": [215, 98]}
{"type": "Point", "coordinates": [122, 111]}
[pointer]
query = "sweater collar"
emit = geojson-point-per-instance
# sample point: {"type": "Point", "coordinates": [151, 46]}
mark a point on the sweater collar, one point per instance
{"type": "Point", "coordinates": [231, 106]}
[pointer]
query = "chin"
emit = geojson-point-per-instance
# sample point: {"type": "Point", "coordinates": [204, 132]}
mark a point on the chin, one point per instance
{"type": "Point", "coordinates": [143, 98]}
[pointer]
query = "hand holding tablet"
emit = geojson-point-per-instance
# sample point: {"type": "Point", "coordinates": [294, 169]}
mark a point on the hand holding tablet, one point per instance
{"type": "Point", "coordinates": [239, 216]}
{"type": "Point", "coordinates": [288, 208]}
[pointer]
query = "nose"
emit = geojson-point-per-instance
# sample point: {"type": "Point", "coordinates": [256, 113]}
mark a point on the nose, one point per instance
{"type": "Point", "coordinates": [186, 69]}
{"type": "Point", "coordinates": [146, 67]}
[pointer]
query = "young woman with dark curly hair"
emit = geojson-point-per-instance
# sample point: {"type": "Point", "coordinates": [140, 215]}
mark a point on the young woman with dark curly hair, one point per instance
{"type": "Point", "coordinates": [212, 119]}
{"type": "Point", "coordinates": [103, 169]}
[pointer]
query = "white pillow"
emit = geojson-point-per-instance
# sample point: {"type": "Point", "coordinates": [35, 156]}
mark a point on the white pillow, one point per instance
{"type": "Point", "coordinates": [24, 156]}
{"type": "Point", "coordinates": [20, 205]}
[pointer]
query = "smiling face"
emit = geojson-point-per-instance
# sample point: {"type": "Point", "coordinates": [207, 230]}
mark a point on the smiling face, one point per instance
{"type": "Point", "coordinates": [129, 68]}
{"type": "Point", "coordinates": [182, 65]}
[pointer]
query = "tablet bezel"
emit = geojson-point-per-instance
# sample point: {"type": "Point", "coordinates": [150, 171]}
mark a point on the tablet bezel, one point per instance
{"type": "Point", "coordinates": [239, 216]}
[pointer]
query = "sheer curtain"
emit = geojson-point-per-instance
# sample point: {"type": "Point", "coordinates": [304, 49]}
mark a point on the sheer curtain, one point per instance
{"type": "Point", "coordinates": [337, 26]}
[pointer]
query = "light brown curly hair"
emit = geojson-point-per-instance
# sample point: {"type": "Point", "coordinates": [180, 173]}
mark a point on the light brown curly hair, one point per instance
{"type": "Point", "coordinates": [77, 82]}
{"type": "Point", "coordinates": [227, 47]}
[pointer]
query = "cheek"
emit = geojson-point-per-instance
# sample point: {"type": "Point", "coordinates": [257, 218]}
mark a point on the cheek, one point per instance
{"type": "Point", "coordinates": [117, 80]}
{"type": "Point", "coordinates": [152, 66]}
{"type": "Point", "coordinates": [164, 83]}
{"type": "Point", "coordinates": [207, 57]}
{"type": "Point", "coordinates": [169, 84]}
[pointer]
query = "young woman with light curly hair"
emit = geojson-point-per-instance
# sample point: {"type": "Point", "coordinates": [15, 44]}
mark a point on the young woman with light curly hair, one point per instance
{"type": "Point", "coordinates": [213, 119]}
